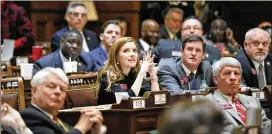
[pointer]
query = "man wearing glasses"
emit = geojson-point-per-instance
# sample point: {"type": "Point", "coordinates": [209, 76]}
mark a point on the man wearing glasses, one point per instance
{"type": "Point", "coordinates": [171, 48]}
{"type": "Point", "coordinates": [76, 17]}
{"type": "Point", "coordinates": [257, 68]}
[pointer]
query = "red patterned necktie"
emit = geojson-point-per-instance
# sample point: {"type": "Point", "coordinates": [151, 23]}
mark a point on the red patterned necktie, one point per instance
{"type": "Point", "coordinates": [241, 111]}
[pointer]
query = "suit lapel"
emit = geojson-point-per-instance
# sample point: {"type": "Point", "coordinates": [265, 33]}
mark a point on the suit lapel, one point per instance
{"type": "Point", "coordinates": [268, 72]}
{"type": "Point", "coordinates": [58, 61]}
{"type": "Point", "coordinates": [244, 101]}
{"type": "Point", "coordinates": [47, 119]}
{"type": "Point", "coordinates": [222, 101]}
{"type": "Point", "coordinates": [182, 77]}
{"type": "Point", "coordinates": [253, 70]}
{"type": "Point", "coordinates": [102, 55]}
{"type": "Point", "coordinates": [88, 39]}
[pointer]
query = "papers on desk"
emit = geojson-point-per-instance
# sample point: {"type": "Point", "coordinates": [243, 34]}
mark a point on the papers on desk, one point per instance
{"type": "Point", "coordinates": [26, 71]}
{"type": "Point", "coordinates": [7, 49]}
{"type": "Point", "coordinates": [77, 109]}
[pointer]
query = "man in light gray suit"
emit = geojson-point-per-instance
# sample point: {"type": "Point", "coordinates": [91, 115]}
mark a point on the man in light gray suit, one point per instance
{"type": "Point", "coordinates": [227, 75]}
{"type": "Point", "coordinates": [179, 77]}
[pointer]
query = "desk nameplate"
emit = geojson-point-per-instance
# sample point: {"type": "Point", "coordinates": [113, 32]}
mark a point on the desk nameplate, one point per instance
{"type": "Point", "coordinates": [138, 102]}
{"type": "Point", "coordinates": [259, 94]}
{"type": "Point", "coordinates": [196, 97]}
{"type": "Point", "coordinates": [160, 99]}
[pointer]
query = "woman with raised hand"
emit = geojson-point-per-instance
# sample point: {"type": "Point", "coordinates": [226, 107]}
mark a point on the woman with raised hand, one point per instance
{"type": "Point", "coordinates": [125, 73]}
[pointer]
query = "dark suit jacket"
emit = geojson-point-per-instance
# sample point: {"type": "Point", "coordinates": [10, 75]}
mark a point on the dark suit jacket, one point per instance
{"type": "Point", "coordinates": [7, 130]}
{"type": "Point", "coordinates": [172, 48]}
{"type": "Point", "coordinates": [141, 50]}
{"type": "Point", "coordinates": [167, 49]}
{"type": "Point", "coordinates": [164, 33]}
{"type": "Point", "coordinates": [91, 39]}
{"type": "Point", "coordinates": [124, 85]}
{"type": "Point", "coordinates": [99, 56]}
{"type": "Point", "coordinates": [39, 123]}
{"type": "Point", "coordinates": [249, 74]}
{"type": "Point", "coordinates": [232, 118]}
{"type": "Point", "coordinates": [54, 60]}
{"type": "Point", "coordinates": [171, 76]}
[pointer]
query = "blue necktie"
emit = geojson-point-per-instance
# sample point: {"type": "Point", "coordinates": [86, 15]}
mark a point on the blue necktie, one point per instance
{"type": "Point", "coordinates": [193, 85]}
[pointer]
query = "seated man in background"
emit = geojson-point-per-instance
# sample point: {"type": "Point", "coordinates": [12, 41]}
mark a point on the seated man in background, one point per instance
{"type": "Point", "coordinates": [149, 36]}
{"type": "Point", "coordinates": [71, 45]}
{"type": "Point", "coordinates": [267, 26]}
{"type": "Point", "coordinates": [109, 33]}
{"type": "Point", "coordinates": [172, 24]}
{"type": "Point", "coordinates": [76, 17]}
{"type": "Point", "coordinates": [171, 48]}
{"type": "Point", "coordinates": [227, 74]}
{"type": "Point", "coordinates": [15, 25]}
{"type": "Point", "coordinates": [200, 117]}
{"type": "Point", "coordinates": [123, 23]}
{"type": "Point", "coordinates": [221, 37]}
{"type": "Point", "coordinates": [190, 71]}
{"type": "Point", "coordinates": [48, 93]}
{"type": "Point", "coordinates": [257, 67]}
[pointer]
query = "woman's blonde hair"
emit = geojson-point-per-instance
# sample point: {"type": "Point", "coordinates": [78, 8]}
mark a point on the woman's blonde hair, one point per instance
{"type": "Point", "coordinates": [113, 68]}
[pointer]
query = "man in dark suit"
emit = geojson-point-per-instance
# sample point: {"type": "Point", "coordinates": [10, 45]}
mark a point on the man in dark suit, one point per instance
{"type": "Point", "coordinates": [227, 75]}
{"type": "Point", "coordinates": [187, 74]}
{"type": "Point", "coordinates": [171, 48]}
{"type": "Point", "coordinates": [257, 67]}
{"type": "Point", "coordinates": [71, 45]}
{"type": "Point", "coordinates": [48, 94]}
{"type": "Point", "coordinates": [109, 33]}
{"type": "Point", "coordinates": [149, 36]}
{"type": "Point", "coordinates": [76, 17]}
{"type": "Point", "coordinates": [172, 24]}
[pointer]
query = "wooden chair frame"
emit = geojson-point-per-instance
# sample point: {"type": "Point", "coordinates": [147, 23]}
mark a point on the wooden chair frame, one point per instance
{"type": "Point", "coordinates": [19, 90]}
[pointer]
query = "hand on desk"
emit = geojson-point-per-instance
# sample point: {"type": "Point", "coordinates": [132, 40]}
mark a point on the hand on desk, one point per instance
{"type": "Point", "coordinates": [90, 119]}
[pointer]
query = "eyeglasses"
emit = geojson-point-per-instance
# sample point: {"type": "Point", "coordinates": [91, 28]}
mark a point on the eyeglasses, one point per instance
{"type": "Point", "coordinates": [257, 43]}
{"type": "Point", "coordinates": [76, 14]}
{"type": "Point", "coordinates": [190, 28]}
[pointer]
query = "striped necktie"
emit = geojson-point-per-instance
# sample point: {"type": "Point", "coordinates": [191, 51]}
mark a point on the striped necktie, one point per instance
{"type": "Point", "coordinates": [241, 111]}
{"type": "Point", "coordinates": [59, 122]}
{"type": "Point", "coordinates": [261, 77]}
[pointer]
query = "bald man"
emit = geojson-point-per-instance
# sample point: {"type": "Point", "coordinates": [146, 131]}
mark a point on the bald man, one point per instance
{"type": "Point", "coordinates": [257, 67]}
{"type": "Point", "coordinates": [149, 36]}
{"type": "Point", "coordinates": [70, 48]}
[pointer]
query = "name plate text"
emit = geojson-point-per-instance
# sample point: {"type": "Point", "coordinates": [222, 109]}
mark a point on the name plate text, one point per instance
{"type": "Point", "coordinates": [138, 103]}
{"type": "Point", "coordinates": [160, 99]}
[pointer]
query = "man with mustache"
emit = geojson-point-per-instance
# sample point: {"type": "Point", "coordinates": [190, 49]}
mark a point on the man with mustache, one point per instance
{"type": "Point", "coordinates": [109, 33]}
{"type": "Point", "coordinates": [48, 93]}
{"type": "Point", "coordinates": [257, 67]}
{"type": "Point", "coordinates": [188, 73]}
{"type": "Point", "coordinates": [172, 24]}
{"type": "Point", "coordinates": [71, 46]}
{"type": "Point", "coordinates": [227, 74]}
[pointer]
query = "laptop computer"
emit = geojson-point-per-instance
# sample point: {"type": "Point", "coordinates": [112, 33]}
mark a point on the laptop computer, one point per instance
{"type": "Point", "coordinates": [7, 49]}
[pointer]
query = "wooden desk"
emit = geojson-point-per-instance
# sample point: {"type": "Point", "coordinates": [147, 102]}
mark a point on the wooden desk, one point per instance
{"type": "Point", "coordinates": [124, 121]}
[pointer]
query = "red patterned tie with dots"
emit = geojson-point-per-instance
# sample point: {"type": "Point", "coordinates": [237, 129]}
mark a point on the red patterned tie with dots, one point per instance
{"type": "Point", "coordinates": [241, 111]}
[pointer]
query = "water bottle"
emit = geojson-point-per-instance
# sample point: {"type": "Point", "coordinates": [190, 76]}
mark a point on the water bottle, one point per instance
{"type": "Point", "coordinates": [203, 86]}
